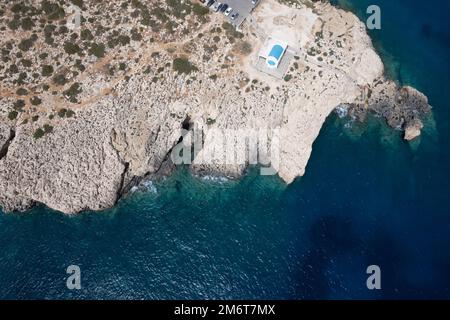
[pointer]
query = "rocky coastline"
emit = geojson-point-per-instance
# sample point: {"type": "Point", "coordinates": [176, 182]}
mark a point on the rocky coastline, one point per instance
{"type": "Point", "coordinates": [86, 115]}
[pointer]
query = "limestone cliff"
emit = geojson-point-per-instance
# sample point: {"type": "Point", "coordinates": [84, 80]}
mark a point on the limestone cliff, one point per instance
{"type": "Point", "coordinates": [85, 114]}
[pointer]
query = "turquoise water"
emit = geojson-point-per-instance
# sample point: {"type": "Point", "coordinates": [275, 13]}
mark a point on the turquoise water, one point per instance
{"type": "Point", "coordinates": [367, 198]}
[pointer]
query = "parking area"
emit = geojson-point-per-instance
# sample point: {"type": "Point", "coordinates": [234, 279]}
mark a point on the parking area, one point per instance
{"type": "Point", "coordinates": [242, 7]}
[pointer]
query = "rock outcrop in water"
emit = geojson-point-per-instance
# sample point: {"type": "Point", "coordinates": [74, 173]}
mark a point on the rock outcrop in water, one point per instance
{"type": "Point", "coordinates": [402, 107]}
{"type": "Point", "coordinates": [86, 114]}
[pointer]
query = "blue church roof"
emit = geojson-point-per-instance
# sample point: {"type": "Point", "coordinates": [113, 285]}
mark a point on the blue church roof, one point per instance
{"type": "Point", "coordinates": [276, 52]}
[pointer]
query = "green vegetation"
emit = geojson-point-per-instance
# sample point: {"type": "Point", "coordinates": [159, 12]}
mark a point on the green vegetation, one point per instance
{"type": "Point", "coordinates": [64, 113]}
{"type": "Point", "coordinates": [231, 32]}
{"type": "Point", "coordinates": [78, 3]}
{"type": "Point", "coordinates": [13, 115]}
{"type": "Point", "coordinates": [26, 44]}
{"type": "Point", "coordinates": [18, 105]}
{"type": "Point", "coordinates": [52, 10]}
{"type": "Point", "coordinates": [72, 92]}
{"type": "Point", "coordinates": [27, 23]}
{"type": "Point", "coordinates": [47, 70]}
{"type": "Point", "coordinates": [243, 47]}
{"type": "Point", "coordinates": [135, 35]}
{"type": "Point", "coordinates": [97, 49]}
{"type": "Point", "coordinates": [86, 34]}
{"type": "Point", "coordinates": [39, 133]}
{"type": "Point", "coordinates": [70, 113]}
{"type": "Point", "coordinates": [48, 128]}
{"type": "Point", "coordinates": [122, 66]}
{"type": "Point", "coordinates": [71, 48]}
{"type": "Point", "coordinates": [35, 101]}
{"type": "Point", "coordinates": [22, 92]}
{"type": "Point", "coordinates": [79, 65]}
{"type": "Point", "coordinates": [26, 63]}
{"type": "Point", "coordinates": [183, 65]}
{"type": "Point", "coordinates": [60, 79]}
{"type": "Point", "coordinates": [199, 9]}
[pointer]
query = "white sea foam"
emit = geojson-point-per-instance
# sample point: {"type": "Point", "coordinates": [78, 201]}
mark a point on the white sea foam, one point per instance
{"type": "Point", "coordinates": [146, 186]}
{"type": "Point", "coordinates": [342, 110]}
{"type": "Point", "coordinates": [218, 179]}
{"type": "Point", "coordinates": [150, 186]}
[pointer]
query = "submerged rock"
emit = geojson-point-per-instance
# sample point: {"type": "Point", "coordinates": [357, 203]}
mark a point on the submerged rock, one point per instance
{"type": "Point", "coordinates": [402, 107]}
{"type": "Point", "coordinates": [413, 129]}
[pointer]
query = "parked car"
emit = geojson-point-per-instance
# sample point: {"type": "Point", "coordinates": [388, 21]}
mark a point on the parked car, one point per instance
{"type": "Point", "coordinates": [216, 6]}
{"type": "Point", "coordinates": [228, 11]}
{"type": "Point", "coordinates": [234, 15]}
{"type": "Point", "coordinates": [254, 2]}
{"type": "Point", "coordinates": [224, 8]}
{"type": "Point", "coordinates": [210, 3]}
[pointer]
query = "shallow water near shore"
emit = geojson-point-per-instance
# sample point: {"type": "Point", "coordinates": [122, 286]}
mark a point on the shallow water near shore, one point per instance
{"type": "Point", "coordinates": [367, 198]}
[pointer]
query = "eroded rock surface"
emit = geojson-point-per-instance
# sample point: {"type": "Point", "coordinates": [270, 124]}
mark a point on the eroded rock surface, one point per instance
{"type": "Point", "coordinates": [87, 115]}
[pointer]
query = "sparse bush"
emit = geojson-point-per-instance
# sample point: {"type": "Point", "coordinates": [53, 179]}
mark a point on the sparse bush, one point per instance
{"type": "Point", "coordinates": [79, 65]}
{"type": "Point", "coordinates": [22, 92]}
{"type": "Point", "coordinates": [72, 92]}
{"type": "Point", "coordinates": [47, 70]}
{"type": "Point", "coordinates": [135, 35]}
{"type": "Point", "coordinates": [78, 3]}
{"type": "Point", "coordinates": [26, 63]}
{"type": "Point", "coordinates": [48, 128]}
{"type": "Point", "coordinates": [27, 23]}
{"type": "Point", "coordinates": [39, 133]}
{"type": "Point", "coordinates": [71, 48]}
{"type": "Point", "coordinates": [86, 34]}
{"type": "Point", "coordinates": [49, 40]}
{"type": "Point", "coordinates": [35, 101]}
{"type": "Point", "coordinates": [26, 44]}
{"type": "Point", "coordinates": [183, 65]}
{"type": "Point", "coordinates": [199, 9]}
{"type": "Point", "coordinates": [62, 113]}
{"type": "Point", "coordinates": [18, 105]}
{"type": "Point", "coordinates": [13, 115]}
{"type": "Point", "coordinates": [60, 79]}
{"type": "Point", "coordinates": [97, 49]}
{"type": "Point", "coordinates": [244, 47]}
{"type": "Point", "coordinates": [70, 113]}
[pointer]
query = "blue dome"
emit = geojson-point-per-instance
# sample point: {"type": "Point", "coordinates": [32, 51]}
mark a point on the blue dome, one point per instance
{"type": "Point", "coordinates": [276, 52]}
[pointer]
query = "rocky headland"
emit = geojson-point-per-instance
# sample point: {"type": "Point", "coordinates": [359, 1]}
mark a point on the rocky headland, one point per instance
{"type": "Point", "coordinates": [87, 113]}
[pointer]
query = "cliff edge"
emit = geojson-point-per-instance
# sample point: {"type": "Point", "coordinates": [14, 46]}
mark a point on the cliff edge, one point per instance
{"type": "Point", "coordinates": [87, 113]}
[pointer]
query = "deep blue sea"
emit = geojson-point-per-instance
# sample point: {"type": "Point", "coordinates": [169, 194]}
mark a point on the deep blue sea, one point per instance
{"type": "Point", "coordinates": [367, 198]}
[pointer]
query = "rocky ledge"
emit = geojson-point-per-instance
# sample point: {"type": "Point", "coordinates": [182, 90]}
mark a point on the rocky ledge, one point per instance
{"type": "Point", "coordinates": [87, 113]}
